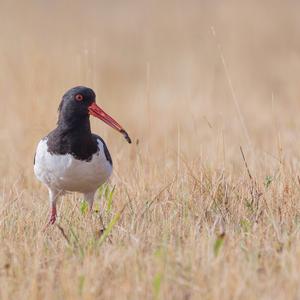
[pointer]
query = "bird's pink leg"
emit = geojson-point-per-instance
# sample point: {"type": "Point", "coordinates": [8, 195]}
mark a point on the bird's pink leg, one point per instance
{"type": "Point", "coordinates": [53, 214]}
{"type": "Point", "coordinates": [53, 195]}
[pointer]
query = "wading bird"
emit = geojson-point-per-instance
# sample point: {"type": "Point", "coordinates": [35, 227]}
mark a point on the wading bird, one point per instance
{"type": "Point", "coordinates": [71, 157]}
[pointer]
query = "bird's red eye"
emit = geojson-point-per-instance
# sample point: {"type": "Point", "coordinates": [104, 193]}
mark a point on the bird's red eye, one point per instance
{"type": "Point", "coordinates": [79, 97]}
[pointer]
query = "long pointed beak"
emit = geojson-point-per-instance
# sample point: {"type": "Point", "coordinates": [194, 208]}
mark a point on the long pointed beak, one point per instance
{"type": "Point", "coordinates": [97, 112]}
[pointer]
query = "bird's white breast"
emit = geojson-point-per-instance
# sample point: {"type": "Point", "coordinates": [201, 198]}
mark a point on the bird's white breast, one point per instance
{"type": "Point", "coordinates": [64, 172]}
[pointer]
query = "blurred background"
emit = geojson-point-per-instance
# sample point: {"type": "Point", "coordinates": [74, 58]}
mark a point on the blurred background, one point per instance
{"type": "Point", "coordinates": [199, 78]}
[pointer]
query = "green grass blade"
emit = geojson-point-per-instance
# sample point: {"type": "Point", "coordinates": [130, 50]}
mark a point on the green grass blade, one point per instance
{"type": "Point", "coordinates": [109, 199]}
{"type": "Point", "coordinates": [218, 244]}
{"type": "Point", "coordinates": [109, 228]}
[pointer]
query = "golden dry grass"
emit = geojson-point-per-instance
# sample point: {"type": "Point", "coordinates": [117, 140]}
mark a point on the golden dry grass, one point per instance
{"type": "Point", "coordinates": [191, 81]}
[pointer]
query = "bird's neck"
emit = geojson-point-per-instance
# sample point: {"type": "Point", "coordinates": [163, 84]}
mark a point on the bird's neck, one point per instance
{"type": "Point", "coordinates": [76, 124]}
{"type": "Point", "coordinates": [74, 137]}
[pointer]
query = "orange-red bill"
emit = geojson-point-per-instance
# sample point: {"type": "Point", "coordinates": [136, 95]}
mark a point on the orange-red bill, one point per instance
{"type": "Point", "coordinates": [97, 112]}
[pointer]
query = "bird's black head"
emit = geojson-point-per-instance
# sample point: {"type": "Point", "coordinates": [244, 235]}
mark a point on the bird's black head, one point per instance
{"type": "Point", "coordinates": [77, 105]}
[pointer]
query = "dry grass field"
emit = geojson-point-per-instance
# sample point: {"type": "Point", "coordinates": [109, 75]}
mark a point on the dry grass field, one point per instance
{"type": "Point", "coordinates": [205, 204]}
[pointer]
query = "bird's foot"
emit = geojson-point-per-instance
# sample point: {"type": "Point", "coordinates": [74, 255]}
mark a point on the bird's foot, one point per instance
{"type": "Point", "coordinates": [52, 218]}
{"type": "Point", "coordinates": [53, 215]}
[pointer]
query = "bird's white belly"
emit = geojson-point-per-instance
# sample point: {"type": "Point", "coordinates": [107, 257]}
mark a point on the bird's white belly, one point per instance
{"type": "Point", "coordinates": [64, 172]}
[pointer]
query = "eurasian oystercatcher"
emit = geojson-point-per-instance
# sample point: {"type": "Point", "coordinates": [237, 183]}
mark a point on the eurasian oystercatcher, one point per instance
{"type": "Point", "coordinates": [71, 157]}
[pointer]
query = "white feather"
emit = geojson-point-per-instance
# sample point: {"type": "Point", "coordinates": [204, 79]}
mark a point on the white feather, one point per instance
{"type": "Point", "coordinates": [65, 173]}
